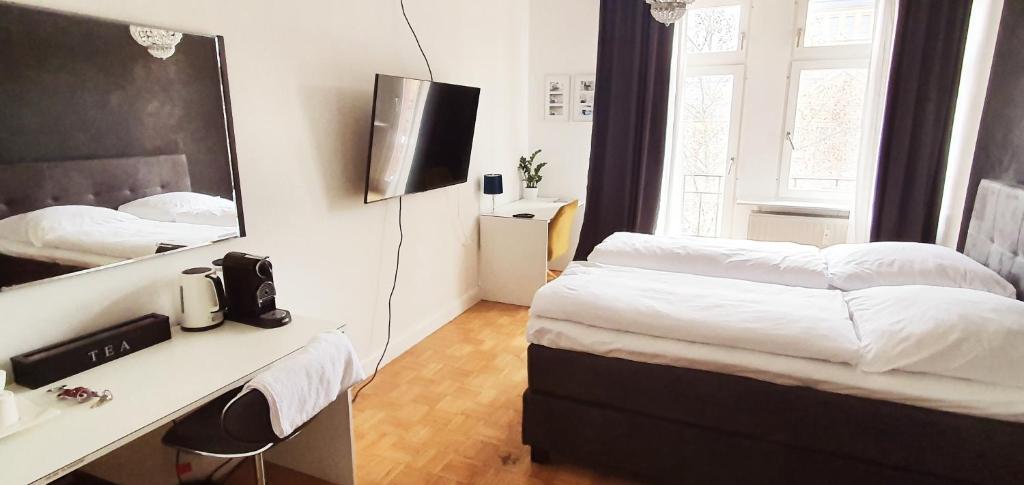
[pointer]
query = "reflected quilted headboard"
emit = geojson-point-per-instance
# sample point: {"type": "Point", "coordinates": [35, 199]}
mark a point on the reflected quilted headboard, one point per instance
{"type": "Point", "coordinates": [105, 182]}
{"type": "Point", "coordinates": [996, 234]}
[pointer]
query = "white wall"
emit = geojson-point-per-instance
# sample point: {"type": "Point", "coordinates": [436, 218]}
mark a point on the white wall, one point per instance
{"type": "Point", "coordinates": [301, 85]}
{"type": "Point", "coordinates": [563, 40]}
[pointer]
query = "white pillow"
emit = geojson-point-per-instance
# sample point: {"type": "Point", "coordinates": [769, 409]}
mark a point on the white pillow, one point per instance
{"type": "Point", "coordinates": [858, 266]}
{"type": "Point", "coordinates": [782, 263]}
{"type": "Point", "coordinates": [36, 226]}
{"type": "Point", "coordinates": [187, 207]}
{"type": "Point", "coordinates": [946, 331]}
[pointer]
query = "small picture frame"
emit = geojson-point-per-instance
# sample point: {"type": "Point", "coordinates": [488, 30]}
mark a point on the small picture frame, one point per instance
{"type": "Point", "coordinates": [557, 97]}
{"type": "Point", "coordinates": [583, 89]}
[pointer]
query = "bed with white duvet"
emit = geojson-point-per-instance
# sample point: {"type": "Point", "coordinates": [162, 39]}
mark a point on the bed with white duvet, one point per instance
{"type": "Point", "coordinates": [688, 358]}
{"type": "Point", "coordinates": [951, 349]}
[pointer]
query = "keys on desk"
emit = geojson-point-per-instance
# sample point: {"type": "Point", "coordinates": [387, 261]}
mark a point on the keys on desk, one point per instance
{"type": "Point", "coordinates": [83, 394]}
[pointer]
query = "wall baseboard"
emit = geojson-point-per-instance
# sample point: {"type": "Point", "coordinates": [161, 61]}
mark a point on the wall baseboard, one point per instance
{"type": "Point", "coordinates": [404, 342]}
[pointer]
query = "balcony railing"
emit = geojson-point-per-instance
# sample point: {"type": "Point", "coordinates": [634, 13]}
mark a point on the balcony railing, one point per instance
{"type": "Point", "coordinates": [702, 186]}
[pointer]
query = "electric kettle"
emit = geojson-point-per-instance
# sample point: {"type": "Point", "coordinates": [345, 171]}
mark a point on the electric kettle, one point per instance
{"type": "Point", "coordinates": [202, 299]}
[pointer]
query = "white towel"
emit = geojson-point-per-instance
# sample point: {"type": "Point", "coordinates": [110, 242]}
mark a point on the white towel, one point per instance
{"type": "Point", "coordinates": [302, 384]}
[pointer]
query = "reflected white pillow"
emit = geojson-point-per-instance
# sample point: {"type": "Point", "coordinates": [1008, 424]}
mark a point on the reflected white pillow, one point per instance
{"type": "Point", "coordinates": [14, 228]}
{"type": "Point", "coordinates": [858, 266]}
{"type": "Point", "coordinates": [186, 207]}
{"type": "Point", "coordinates": [36, 226]}
{"type": "Point", "coordinates": [946, 331]}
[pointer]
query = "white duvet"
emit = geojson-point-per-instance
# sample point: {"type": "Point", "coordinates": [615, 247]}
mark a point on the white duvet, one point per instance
{"type": "Point", "coordinates": [104, 232]}
{"type": "Point", "coordinates": [52, 255]}
{"type": "Point", "coordinates": [777, 319]}
{"type": "Point", "coordinates": [781, 263]}
{"type": "Point", "coordinates": [954, 332]}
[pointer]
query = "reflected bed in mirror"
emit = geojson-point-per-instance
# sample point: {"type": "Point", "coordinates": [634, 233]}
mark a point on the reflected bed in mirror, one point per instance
{"type": "Point", "coordinates": [116, 144]}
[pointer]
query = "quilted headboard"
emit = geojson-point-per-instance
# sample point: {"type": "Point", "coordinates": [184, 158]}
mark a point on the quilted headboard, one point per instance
{"type": "Point", "coordinates": [105, 182]}
{"type": "Point", "coordinates": [996, 234]}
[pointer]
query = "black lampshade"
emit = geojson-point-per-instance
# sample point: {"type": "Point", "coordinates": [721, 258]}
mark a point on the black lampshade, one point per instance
{"type": "Point", "coordinates": [492, 184]}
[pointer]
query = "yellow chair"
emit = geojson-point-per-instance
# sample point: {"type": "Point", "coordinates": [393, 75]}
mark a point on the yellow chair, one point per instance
{"type": "Point", "coordinates": [560, 232]}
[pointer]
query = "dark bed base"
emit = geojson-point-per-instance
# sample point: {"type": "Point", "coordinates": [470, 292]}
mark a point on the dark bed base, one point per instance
{"type": "Point", "coordinates": [677, 425]}
{"type": "Point", "coordinates": [17, 271]}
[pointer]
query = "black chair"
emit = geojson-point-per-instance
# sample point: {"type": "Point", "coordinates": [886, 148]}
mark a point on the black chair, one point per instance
{"type": "Point", "coordinates": [229, 428]}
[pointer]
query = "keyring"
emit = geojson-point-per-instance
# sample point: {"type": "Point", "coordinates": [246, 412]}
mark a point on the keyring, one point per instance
{"type": "Point", "coordinates": [82, 394]}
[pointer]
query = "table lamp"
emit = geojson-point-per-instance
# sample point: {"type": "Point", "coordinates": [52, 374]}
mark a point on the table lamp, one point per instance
{"type": "Point", "coordinates": [492, 186]}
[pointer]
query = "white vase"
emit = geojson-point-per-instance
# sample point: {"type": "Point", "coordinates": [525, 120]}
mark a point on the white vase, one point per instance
{"type": "Point", "coordinates": [530, 194]}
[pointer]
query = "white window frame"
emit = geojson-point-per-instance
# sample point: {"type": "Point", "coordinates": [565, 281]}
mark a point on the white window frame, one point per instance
{"type": "Point", "coordinates": [785, 192]}
{"type": "Point", "coordinates": [737, 56]}
{"type": "Point", "coordinates": [691, 64]}
{"type": "Point", "coordinates": [738, 73]}
{"type": "Point", "coordinates": [850, 51]}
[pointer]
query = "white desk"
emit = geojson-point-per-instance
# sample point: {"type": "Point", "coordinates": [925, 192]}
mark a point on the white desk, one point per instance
{"type": "Point", "coordinates": [514, 252]}
{"type": "Point", "coordinates": [156, 385]}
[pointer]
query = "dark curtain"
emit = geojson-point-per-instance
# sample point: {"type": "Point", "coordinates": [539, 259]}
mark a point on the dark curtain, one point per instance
{"type": "Point", "coordinates": [634, 63]}
{"type": "Point", "coordinates": [928, 52]}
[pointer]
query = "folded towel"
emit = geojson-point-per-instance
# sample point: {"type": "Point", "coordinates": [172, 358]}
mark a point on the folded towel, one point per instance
{"type": "Point", "coordinates": [302, 384]}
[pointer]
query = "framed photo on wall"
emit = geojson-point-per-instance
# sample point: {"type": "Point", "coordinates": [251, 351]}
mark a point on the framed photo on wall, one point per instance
{"type": "Point", "coordinates": [557, 94]}
{"type": "Point", "coordinates": [583, 97]}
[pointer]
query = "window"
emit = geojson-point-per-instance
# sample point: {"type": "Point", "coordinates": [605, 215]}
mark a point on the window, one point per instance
{"type": "Point", "coordinates": [838, 22]}
{"type": "Point", "coordinates": [823, 135]}
{"type": "Point", "coordinates": [713, 29]}
{"type": "Point", "coordinates": [776, 118]}
{"type": "Point", "coordinates": [826, 100]}
{"type": "Point", "coordinates": [702, 160]}
{"type": "Point", "coordinates": [705, 121]}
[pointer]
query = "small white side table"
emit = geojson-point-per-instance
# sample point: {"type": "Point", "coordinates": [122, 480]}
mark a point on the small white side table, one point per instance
{"type": "Point", "coordinates": [514, 252]}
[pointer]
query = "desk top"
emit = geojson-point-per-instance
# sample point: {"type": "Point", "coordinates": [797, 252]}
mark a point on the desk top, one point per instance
{"type": "Point", "coordinates": [151, 387]}
{"type": "Point", "coordinates": [543, 208]}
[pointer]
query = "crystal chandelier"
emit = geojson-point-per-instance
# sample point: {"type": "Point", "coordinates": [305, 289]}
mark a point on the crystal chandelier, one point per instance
{"type": "Point", "coordinates": [160, 43]}
{"type": "Point", "coordinates": [668, 11]}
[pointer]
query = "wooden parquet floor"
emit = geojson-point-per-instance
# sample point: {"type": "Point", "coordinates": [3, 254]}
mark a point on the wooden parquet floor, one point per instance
{"type": "Point", "coordinates": [449, 410]}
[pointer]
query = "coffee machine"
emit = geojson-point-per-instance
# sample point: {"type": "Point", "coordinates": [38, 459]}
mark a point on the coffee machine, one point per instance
{"type": "Point", "coordinates": [251, 294]}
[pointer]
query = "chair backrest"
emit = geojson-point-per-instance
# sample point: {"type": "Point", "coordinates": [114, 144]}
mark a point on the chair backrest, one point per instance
{"type": "Point", "coordinates": [560, 230]}
{"type": "Point", "coordinates": [247, 418]}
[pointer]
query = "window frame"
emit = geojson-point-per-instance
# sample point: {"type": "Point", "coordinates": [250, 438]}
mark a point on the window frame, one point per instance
{"type": "Point", "coordinates": [738, 56]}
{"type": "Point", "coordinates": [789, 126]}
{"type": "Point", "coordinates": [738, 73]}
{"type": "Point", "coordinates": [848, 51]}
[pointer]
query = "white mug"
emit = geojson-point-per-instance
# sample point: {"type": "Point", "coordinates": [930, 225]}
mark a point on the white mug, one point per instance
{"type": "Point", "coordinates": [8, 409]}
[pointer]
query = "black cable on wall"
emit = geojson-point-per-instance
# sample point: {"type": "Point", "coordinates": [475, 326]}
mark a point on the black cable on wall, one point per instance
{"type": "Point", "coordinates": [401, 232]}
{"type": "Point", "coordinates": [417, 39]}
{"type": "Point", "coordinates": [394, 284]}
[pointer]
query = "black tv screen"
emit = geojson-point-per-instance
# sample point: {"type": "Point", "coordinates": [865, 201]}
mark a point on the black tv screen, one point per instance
{"type": "Point", "coordinates": [421, 137]}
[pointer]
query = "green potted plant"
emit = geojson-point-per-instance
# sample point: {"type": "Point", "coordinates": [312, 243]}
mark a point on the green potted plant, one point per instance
{"type": "Point", "coordinates": [531, 175]}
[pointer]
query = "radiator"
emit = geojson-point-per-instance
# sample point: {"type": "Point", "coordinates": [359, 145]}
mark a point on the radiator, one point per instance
{"type": "Point", "coordinates": [818, 231]}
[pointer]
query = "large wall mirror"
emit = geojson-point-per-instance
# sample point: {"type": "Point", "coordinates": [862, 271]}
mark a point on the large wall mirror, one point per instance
{"type": "Point", "coordinates": [115, 144]}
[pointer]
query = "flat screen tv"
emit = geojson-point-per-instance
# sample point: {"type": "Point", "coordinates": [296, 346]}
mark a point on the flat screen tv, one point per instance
{"type": "Point", "coordinates": [421, 137]}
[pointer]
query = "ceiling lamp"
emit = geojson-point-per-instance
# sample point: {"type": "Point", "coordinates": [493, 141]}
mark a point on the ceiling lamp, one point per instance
{"type": "Point", "coordinates": [160, 43]}
{"type": "Point", "coordinates": [668, 11]}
